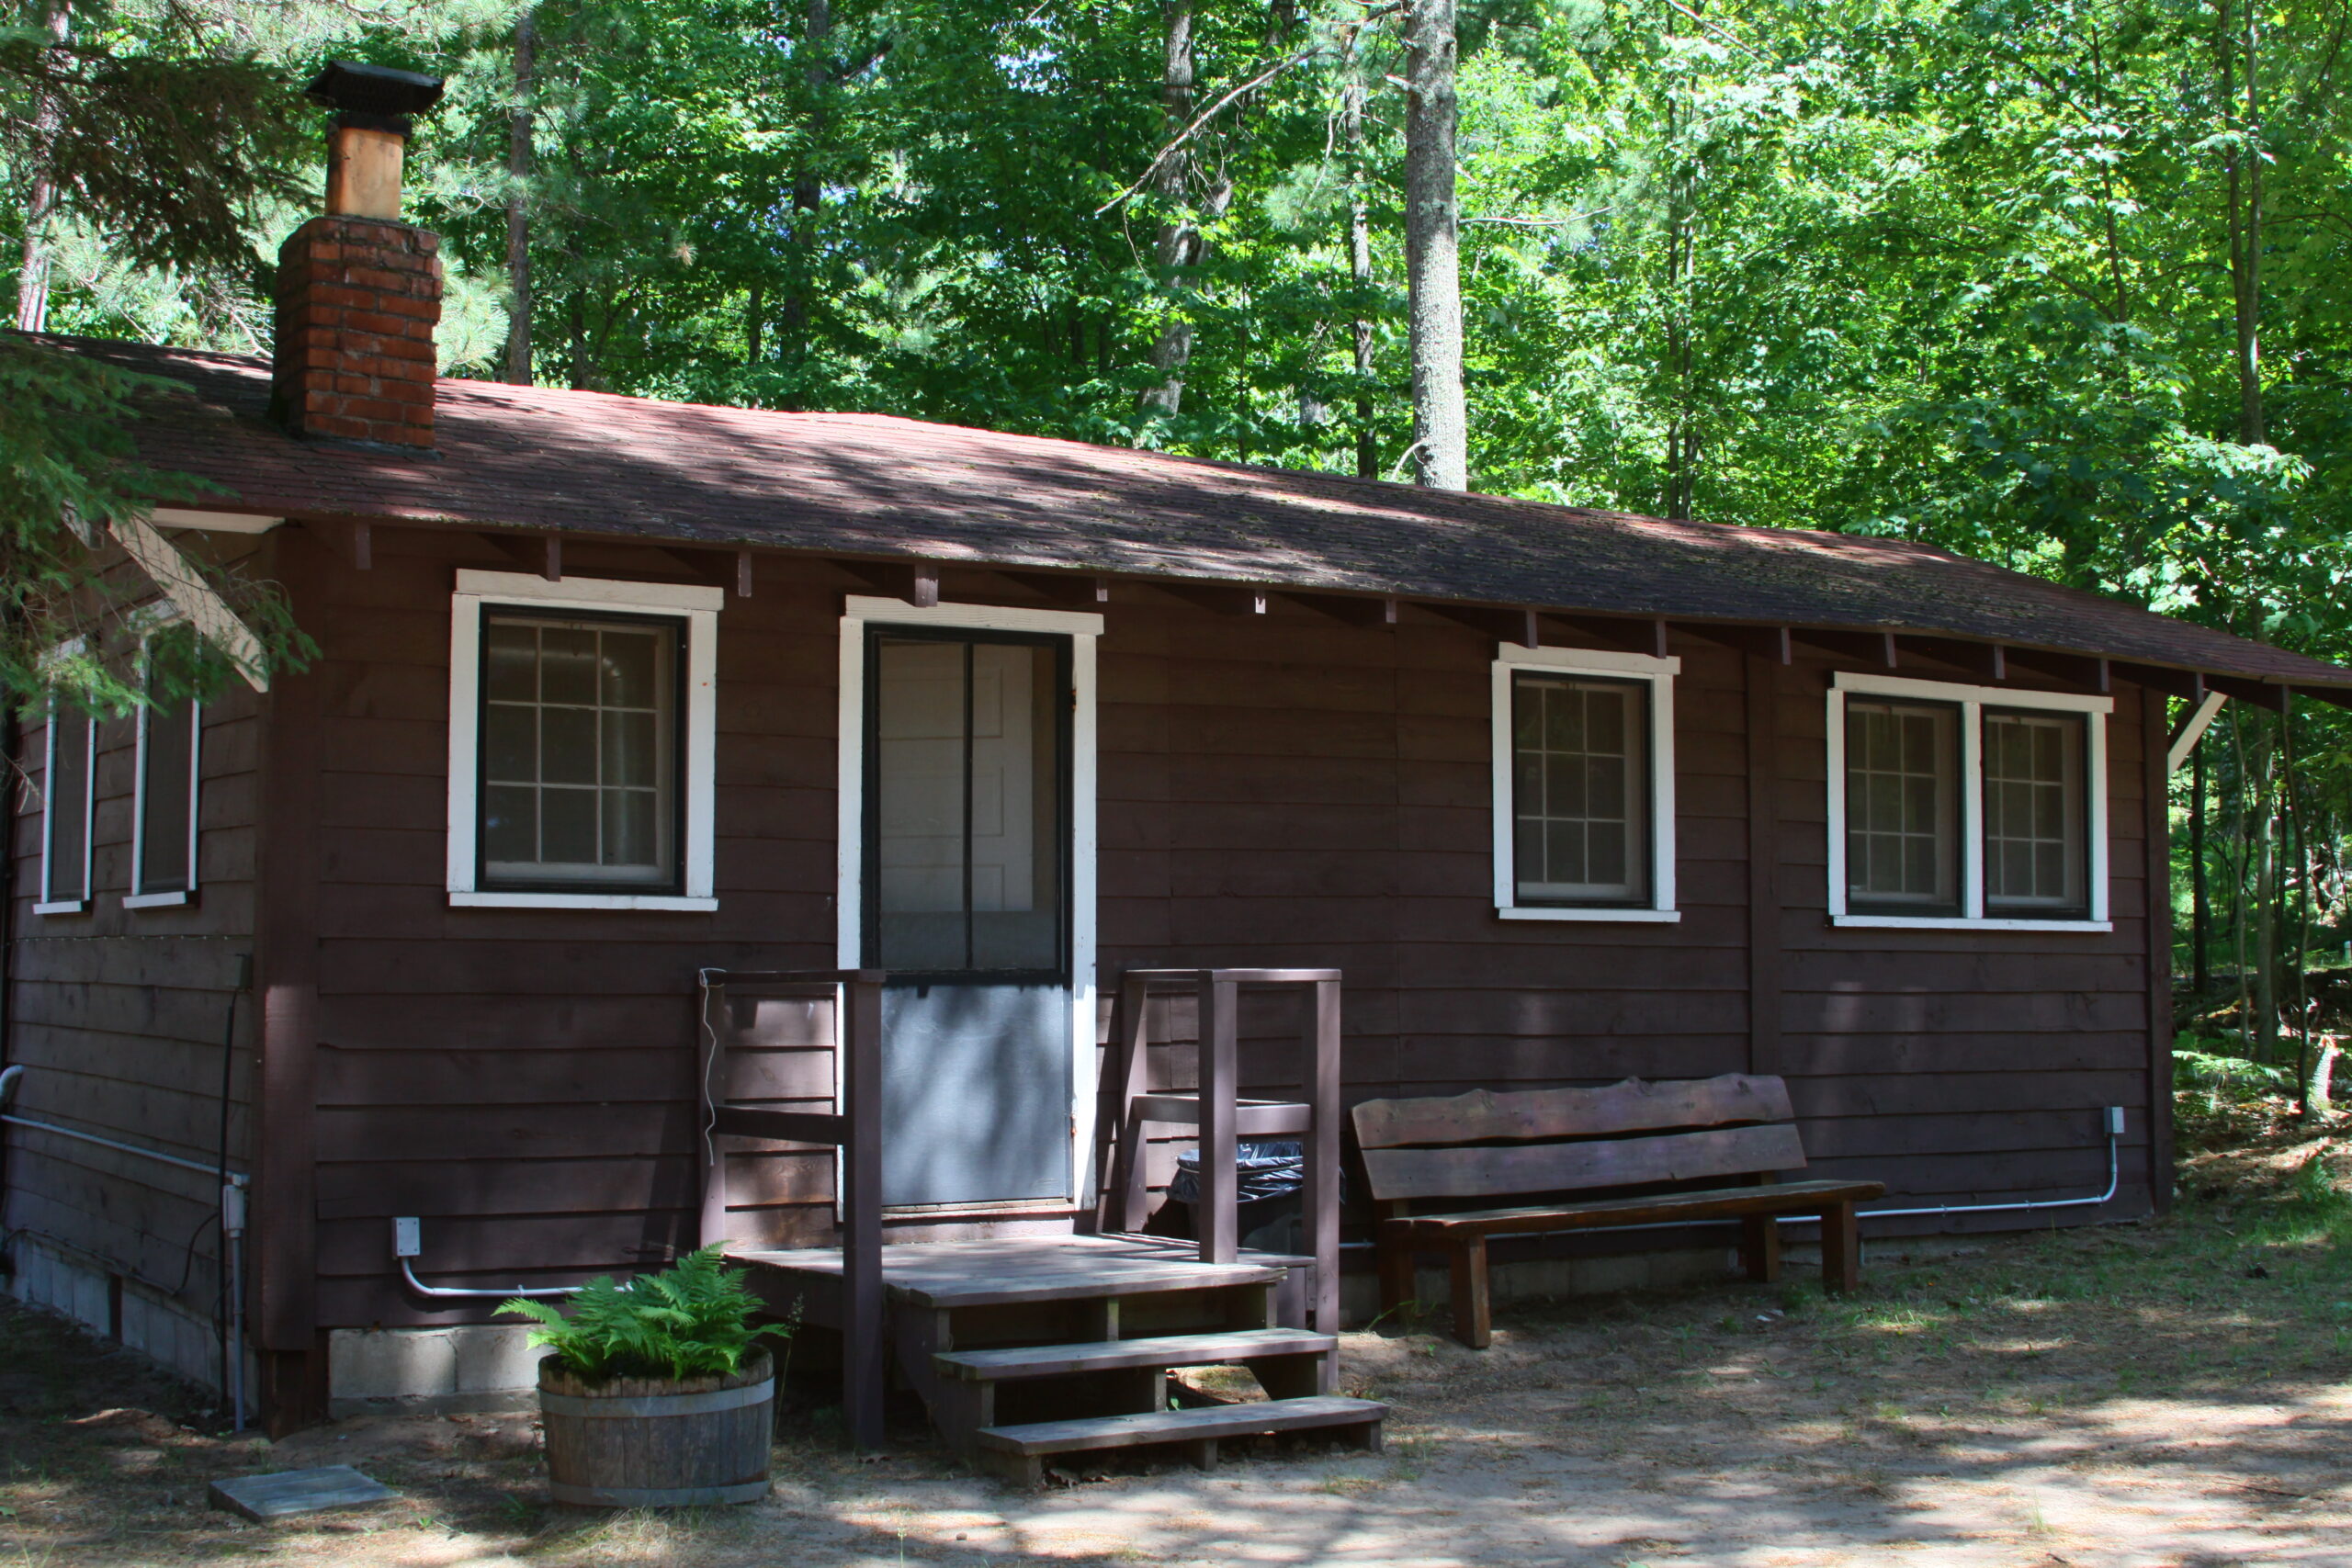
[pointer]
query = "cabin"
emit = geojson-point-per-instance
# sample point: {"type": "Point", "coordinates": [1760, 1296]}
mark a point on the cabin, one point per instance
{"type": "Point", "coordinates": [666, 767]}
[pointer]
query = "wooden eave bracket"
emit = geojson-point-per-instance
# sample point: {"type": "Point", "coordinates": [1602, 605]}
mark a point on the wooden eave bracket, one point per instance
{"type": "Point", "coordinates": [1986, 660]}
{"type": "Point", "coordinates": [184, 586]}
{"type": "Point", "coordinates": [1062, 588]}
{"type": "Point", "coordinates": [915, 581]}
{"type": "Point", "coordinates": [2191, 729]}
{"type": "Point", "coordinates": [715, 568]}
{"type": "Point", "coordinates": [540, 552]}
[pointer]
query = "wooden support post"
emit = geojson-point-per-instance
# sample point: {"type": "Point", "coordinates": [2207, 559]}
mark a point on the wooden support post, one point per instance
{"type": "Point", "coordinates": [1394, 1258]}
{"type": "Point", "coordinates": [1215, 1218]}
{"type": "Point", "coordinates": [1760, 1247]}
{"type": "Point", "coordinates": [1841, 1249]}
{"type": "Point", "coordinates": [862, 1334]}
{"type": "Point", "coordinates": [1322, 1197]}
{"type": "Point", "coordinates": [1473, 1318]}
{"type": "Point", "coordinates": [1131, 1078]}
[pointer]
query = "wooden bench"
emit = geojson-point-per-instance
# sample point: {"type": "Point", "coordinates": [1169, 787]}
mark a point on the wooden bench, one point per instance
{"type": "Point", "coordinates": [1656, 1142]}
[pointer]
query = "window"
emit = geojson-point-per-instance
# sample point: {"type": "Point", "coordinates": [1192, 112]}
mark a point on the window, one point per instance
{"type": "Point", "coordinates": [1966, 806]}
{"type": "Point", "coordinates": [579, 752]}
{"type": "Point", "coordinates": [1903, 807]}
{"type": "Point", "coordinates": [581, 717]}
{"type": "Point", "coordinates": [1584, 785]}
{"type": "Point", "coordinates": [164, 805]}
{"type": "Point", "coordinates": [2034, 844]}
{"type": "Point", "coordinates": [69, 772]}
{"type": "Point", "coordinates": [966, 737]}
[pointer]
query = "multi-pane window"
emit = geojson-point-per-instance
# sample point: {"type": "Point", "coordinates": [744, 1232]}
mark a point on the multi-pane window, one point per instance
{"type": "Point", "coordinates": [1955, 804]}
{"type": "Point", "coordinates": [164, 815]}
{"type": "Point", "coordinates": [1580, 790]}
{"type": "Point", "coordinates": [70, 760]}
{"type": "Point", "coordinates": [1902, 806]}
{"type": "Point", "coordinates": [579, 751]}
{"type": "Point", "coordinates": [2033, 813]}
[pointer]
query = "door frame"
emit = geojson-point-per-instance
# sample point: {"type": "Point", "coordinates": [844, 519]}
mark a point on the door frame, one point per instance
{"type": "Point", "coordinates": [858, 613]}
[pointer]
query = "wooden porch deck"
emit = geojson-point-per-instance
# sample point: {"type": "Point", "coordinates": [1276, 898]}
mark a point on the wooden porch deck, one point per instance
{"type": "Point", "coordinates": [950, 1274]}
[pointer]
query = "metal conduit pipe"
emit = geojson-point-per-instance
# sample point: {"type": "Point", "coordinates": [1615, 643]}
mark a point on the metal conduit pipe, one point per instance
{"type": "Point", "coordinates": [462, 1293]}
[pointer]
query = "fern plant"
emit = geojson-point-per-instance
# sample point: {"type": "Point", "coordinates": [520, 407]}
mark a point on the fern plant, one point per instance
{"type": "Point", "coordinates": [693, 1319]}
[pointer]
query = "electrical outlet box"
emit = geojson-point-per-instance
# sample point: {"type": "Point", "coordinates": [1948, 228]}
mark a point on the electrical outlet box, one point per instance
{"type": "Point", "coordinates": [408, 1236]}
{"type": "Point", "coordinates": [2115, 1121]}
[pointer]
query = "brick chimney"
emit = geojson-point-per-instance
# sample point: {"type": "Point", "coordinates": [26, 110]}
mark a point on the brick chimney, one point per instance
{"type": "Point", "coordinates": [358, 291]}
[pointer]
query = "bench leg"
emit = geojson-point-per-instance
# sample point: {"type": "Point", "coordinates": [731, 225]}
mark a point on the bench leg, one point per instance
{"type": "Point", "coordinates": [1474, 1321]}
{"type": "Point", "coordinates": [1394, 1258]}
{"type": "Point", "coordinates": [1841, 1249]}
{"type": "Point", "coordinates": [1760, 1247]}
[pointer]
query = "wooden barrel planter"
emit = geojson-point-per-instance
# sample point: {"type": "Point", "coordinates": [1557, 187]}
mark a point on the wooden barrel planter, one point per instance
{"type": "Point", "coordinates": [659, 1442]}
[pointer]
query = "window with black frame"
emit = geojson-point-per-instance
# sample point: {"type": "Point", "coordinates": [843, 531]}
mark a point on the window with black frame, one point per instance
{"type": "Point", "coordinates": [580, 751]}
{"type": "Point", "coordinates": [1580, 790]}
{"type": "Point", "coordinates": [1902, 784]}
{"type": "Point", "coordinates": [967, 803]}
{"type": "Point", "coordinates": [2036, 847]}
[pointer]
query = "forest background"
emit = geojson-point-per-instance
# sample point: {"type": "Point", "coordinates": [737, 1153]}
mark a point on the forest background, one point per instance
{"type": "Point", "coordinates": [2059, 284]}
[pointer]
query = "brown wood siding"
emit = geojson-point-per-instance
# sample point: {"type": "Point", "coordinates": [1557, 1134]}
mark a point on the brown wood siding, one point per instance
{"type": "Point", "coordinates": [1275, 790]}
{"type": "Point", "coordinates": [119, 1015]}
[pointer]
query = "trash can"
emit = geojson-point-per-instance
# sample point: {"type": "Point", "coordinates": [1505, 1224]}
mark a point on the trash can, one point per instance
{"type": "Point", "coordinates": [1270, 1186]}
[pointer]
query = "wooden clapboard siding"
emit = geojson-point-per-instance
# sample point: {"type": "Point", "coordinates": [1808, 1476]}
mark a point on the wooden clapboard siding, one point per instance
{"type": "Point", "coordinates": [1274, 790]}
{"type": "Point", "coordinates": [121, 1018]}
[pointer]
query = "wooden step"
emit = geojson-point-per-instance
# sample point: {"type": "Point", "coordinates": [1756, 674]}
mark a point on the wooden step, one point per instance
{"type": "Point", "coordinates": [1115, 1355]}
{"type": "Point", "coordinates": [1020, 1452]}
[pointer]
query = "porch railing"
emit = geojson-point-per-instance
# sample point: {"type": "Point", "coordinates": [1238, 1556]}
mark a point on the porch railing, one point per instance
{"type": "Point", "coordinates": [1222, 1118]}
{"type": "Point", "coordinates": [854, 1127]}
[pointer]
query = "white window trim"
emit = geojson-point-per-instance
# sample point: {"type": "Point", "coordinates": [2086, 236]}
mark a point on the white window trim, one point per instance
{"type": "Point", "coordinates": [695, 605]}
{"type": "Point", "coordinates": [49, 817]}
{"type": "Point", "coordinates": [1082, 627]}
{"type": "Point", "coordinates": [49, 803]}
{"type": "Point", "coordinates": [1660, 675]}
{"type": "Point", "coordinates": [1972, 701]}
{"type": "Point", "coordinates": [134, 899]}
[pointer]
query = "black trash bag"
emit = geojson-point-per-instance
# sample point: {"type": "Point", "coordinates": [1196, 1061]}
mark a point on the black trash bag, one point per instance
{"type": "Point", "coordinates": [1262, 1170]}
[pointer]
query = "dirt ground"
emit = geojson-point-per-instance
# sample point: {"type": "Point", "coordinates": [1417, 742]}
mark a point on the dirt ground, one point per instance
{"type": "Point", "coordinates": [2170, 1392]}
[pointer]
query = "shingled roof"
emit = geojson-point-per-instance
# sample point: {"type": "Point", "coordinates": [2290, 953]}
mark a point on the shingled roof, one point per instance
{"type": "Point", "coordinates": [872, 485]}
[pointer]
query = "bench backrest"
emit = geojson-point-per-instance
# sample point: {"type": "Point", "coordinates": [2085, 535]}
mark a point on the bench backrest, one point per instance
{"type": "Point", "coordinates": [1484, 1145]}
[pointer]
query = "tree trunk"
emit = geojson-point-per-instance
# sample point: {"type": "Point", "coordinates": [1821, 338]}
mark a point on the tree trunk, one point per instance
{"type": "Point", "coordinates": [520, 119]}
{"type": "Point", "coordinates": [1360, 271]}
{"type": "Point", "coordinates": [32, 273]}
{"type": "Point", "coordinates": [808, 191]}
{"type": "Point", "coordinates": [2264, 913]}
{"type": "Point", "coordinates": [1180, 239]}
{"type": "Point", "coordinates": [2201, 913]}
{"type": "Point", "coordinates": [1682, 431]}
{"type": "Point", "coordinates": [755, 321]}
{"type": "Point", "coordinates": [1433, 252]}
{"type": "Point", "coordinates": [2244, 169]}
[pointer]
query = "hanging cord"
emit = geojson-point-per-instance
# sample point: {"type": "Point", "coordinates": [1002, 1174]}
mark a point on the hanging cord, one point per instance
{"type": "Point", "coordinates": [709, 1060]}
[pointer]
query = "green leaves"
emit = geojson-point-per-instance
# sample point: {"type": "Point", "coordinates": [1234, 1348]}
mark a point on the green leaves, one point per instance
{"type": "Point", "coordinates": [691, 1320]}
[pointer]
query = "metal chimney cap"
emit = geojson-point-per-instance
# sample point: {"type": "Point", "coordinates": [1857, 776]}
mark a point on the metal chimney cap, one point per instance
{"type": "Point", "coordinates": [374, 97]}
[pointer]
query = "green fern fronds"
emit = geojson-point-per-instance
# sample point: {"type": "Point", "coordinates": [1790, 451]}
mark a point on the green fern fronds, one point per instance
{"type": "Point", "coordinates": [693, 1319]}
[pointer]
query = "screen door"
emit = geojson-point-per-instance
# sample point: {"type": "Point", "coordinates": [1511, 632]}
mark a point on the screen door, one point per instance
{"type": "Point", "coordinates": [966, 904]}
